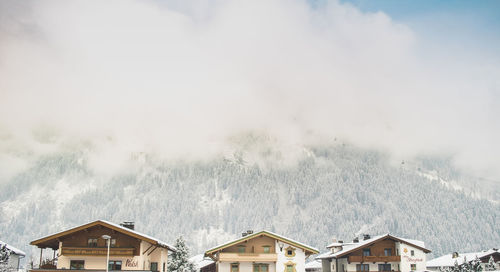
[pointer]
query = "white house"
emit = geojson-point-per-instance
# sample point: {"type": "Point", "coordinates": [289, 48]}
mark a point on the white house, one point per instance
{"type": "Point", "coordinates": [450, 260]}
{"type": "Point", "coordinates": [262, 251]}
{"type": "Point", "coordinates": [380, 253]}
{"type": "Point", "coordinates": [13, 264]}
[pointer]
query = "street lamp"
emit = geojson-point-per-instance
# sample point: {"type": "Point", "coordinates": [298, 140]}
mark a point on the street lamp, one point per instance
{"type": "Point", "coordinates": [108, 239]}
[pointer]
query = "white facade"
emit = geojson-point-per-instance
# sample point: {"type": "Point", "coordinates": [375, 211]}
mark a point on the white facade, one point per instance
{"type": "Point", "coordinates": [407, 259]}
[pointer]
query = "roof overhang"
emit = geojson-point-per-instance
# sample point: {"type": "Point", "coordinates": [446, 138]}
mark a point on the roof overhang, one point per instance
{"type": "Point", "coordinates": [387, 236]}
{"type": "Point", "coordinates": [52, 241]}
{"type": "Point", "coordinates": [308, 250]}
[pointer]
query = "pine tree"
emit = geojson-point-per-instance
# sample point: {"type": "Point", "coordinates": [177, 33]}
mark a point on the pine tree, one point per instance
{"type": "Point", "coordinates": [490, 266]}
{"type": "Point", "coordinates": [179, 261]}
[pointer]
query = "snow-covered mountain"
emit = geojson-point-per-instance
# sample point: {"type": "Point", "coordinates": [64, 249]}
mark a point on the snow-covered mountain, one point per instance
{"type": "Point", "coordinates": [329, 190]}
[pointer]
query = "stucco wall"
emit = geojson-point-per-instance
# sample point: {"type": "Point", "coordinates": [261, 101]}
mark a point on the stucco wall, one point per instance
{"type": "Point", "coordinates": [406, 259]}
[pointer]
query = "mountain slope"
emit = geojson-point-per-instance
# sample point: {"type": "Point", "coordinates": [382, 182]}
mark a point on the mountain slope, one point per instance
{"type": "Point", "coordinates": [330, 191]}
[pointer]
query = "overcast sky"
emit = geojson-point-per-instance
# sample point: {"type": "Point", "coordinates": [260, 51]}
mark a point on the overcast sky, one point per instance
{"type": "Point", "coordinates": [182, 77]}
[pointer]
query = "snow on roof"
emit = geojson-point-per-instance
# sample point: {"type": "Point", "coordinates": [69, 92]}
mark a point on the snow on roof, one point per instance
{"type": "Point", "coordinates": [280, 237]}
{"type": "Point", "coordinates": [352, 246]}
{"type": "Point", "coordinates": [315, 264]}
{"type": "Point", "coordinates": [13, 249]}
{"type": "Point", "coordinates": [201, 261]}
{"type": "Point", "coordinates": [160, 242]}
{"type": "Point", "coordinates": [448, 260]}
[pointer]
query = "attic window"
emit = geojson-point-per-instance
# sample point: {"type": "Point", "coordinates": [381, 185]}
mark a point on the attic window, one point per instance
{"type": "Point", "coordinates": [92, 242]}
{"type": "Point", "coordinates": [290, 251]}
{"type": "Point", "coordinates": [267, 249]}
{"type": "Point", "coordinates": [241, 249]}
{"type": "Point", "coordinates": [412, 253]}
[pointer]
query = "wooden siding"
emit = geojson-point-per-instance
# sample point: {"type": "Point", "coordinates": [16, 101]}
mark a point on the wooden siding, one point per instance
{"type": "Point", "coordinates": [377, 249]}
{"type": "Point", "coordinates": [79, 240]}
{"type": "Point", "coordinates": [255, 245]}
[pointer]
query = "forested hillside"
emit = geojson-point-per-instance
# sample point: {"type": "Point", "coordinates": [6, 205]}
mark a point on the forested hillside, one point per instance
{"type": "Point", "coordinates": [331, 190]}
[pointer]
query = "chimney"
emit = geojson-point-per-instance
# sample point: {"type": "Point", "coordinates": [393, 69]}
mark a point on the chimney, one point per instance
{"type": "Point", "coordinates": [366, 236]}
{"type": "Point", "coordinates": [355, 240]}
{"type": "Point", "coordinates": [243, 234]}
{"type": "Point", "coordinates": [249, 232]}
{"type": "Point", "coordinates": [128, 225]}
{"type": "Point", "coordinates": [341, 242]}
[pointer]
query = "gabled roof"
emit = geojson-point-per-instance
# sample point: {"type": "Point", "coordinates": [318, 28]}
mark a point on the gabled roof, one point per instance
{"type": "Point", "coordinates": [13, 249]}
{"type": "Point", "coordinates": [448, 260]}
{"type": "Point", "coordinates": [48, 241]}
{"type": "Point", "coordinates": [351, 247]}
{"type": "Point", "coordinates": [306, 248]}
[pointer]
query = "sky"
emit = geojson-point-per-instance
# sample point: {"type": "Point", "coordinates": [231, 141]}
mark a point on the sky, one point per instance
{"type": "Point", "coordinates": [186, 78]}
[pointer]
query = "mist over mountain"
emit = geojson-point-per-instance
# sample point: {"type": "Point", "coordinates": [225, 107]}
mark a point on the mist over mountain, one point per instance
{"type": "Point", "coordinates": [333, 189]}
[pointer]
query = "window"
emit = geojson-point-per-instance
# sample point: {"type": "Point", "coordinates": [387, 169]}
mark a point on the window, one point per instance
{"type": "Point", "coordinates": [112, 243]}
{"type": "Point", "coordinates": [290, 252]}
{"type": "Point", "coordinates": [241, 249]}
{"type": "Point", "coordinates": [362, 267]}
{"type": "Point", "coordinates": [366, 252]}
{"type": "Point", "coordinates": [289, 268]}
{"type": "Point", "coordinates": [388, 251]}
{"type": "Point", "coordinates": [384, 267]}
{"type": "Point", "coordinates": [163, 266]}
{"type": "Point", "coordinates": [92, 242]}
{"type": "Point", "coordinates": [115, 265]}
{"type": "Point", "coordinates": [412, 253]}
{"type": "Point", "coordinates": [267, 249]}
{"type": "Point", "coordinates": [235, 267]}
{"type": "Point", "coordinates": [343, 268]}
{"type": "Point", "coordinates": [76, 264]}
{"type": "Point", "coordinates": [260, 268]}
{"type": "Point", "coordinates": [154, 266]}
{"type": "Point", "coordinates": [413, 267]}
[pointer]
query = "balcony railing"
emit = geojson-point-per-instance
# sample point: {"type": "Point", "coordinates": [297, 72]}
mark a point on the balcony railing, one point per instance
{"type": "Point", "coordinates": [248, 257]}
{"type": "Point", "coordinates": [97, 251]}
{"type": "Point", "coordinates": [373, 259]}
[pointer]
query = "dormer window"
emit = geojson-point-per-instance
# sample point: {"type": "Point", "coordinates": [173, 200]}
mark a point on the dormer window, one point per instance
{"type": "Point", "coordinates": [290, 251]}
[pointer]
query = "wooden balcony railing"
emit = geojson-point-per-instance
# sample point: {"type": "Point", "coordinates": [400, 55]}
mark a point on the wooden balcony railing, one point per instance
{"type": "Point", "coordinates": [97, 251]}
{"type": "Point", "coordinates": [248, 257]}
{"type": "Point", "coordinates": [373, 259]}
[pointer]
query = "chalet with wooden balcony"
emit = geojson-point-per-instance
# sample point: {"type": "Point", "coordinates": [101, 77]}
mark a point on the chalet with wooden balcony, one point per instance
{"type": "Point", "coordinates": [85, 247]}
{"type": "Point", "coordinates": [263, 251]}
{"type": "Point", "coordinates": [383, 253]}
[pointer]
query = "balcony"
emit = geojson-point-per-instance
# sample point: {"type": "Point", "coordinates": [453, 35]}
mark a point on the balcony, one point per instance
{"type": "Point", "coordinates": [97, 251]}
{"type": "Point", "coordinates": [373, 259]}
{"type": "Point", "coordinates": [248, 257]}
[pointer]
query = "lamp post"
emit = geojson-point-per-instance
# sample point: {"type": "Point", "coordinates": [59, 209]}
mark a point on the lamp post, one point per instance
{"type": "Point", "coordinates": [108, 240]}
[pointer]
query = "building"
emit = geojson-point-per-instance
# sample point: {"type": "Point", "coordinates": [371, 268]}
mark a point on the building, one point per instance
{"type": "Point", "coordinates": [203, 263]}
{"type": "Point", "coordinates": [14, 262]}
{"type": "Point", "coordinates": [262, 251]}
{"type": "Point", "coordinates": [85, 248]}
{"type": "Point", "coordinates": [313, 266]}
{"type": "Point", "coordinates": [450, 260]}
{"type": "Point", "coordinates": [379, 253]}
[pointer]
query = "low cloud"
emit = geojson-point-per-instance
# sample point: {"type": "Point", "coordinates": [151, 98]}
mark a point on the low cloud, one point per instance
{"type": "Point", "coordinates": [180, 78]}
